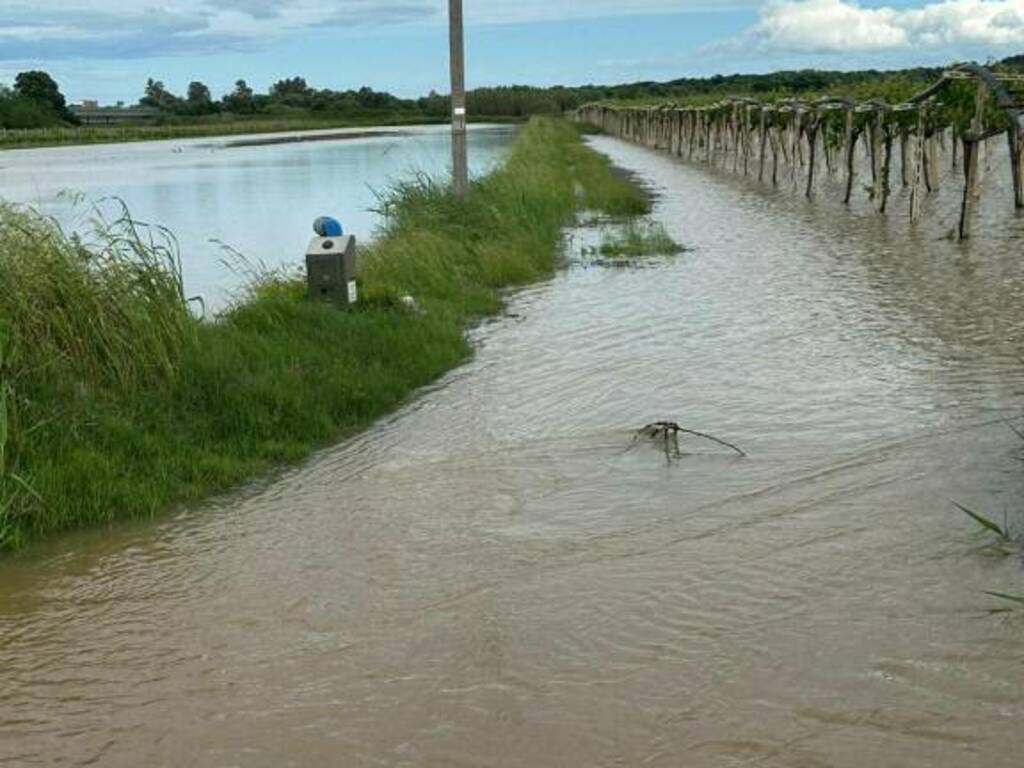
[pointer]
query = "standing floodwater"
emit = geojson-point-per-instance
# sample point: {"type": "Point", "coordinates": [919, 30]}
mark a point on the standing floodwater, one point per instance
{"type": "Point", "coordinates": [496, 577]}
{"type": "Point", "coordinates": [256, 199]}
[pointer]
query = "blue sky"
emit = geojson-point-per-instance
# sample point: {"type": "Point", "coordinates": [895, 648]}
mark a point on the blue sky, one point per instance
{"type": "Point", "coordinates": [106, 49]}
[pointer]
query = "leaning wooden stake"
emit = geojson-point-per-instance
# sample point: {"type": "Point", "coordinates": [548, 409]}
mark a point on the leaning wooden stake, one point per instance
{"type": "Point", "coordinates": [970, 180]}
{"type": "Point", "coordinates": [773, 137]}
{"type": "Point", "coordinates": [971, 152]}
{"type": "Point", "coordinates": [931, 163]}
{"type": "Point", "coordinates": [851, 154]}
{"type": "Point", "coordinates": [915, 188]}
{"type": "Point", "coordinates": [1015, 137]}
{"type": "Point", "coordinates": [746, 139]}
{"type": "Point", "coordinates": [904, 159]}
{"type": "Point", "coordinates": [876, 158]}
{"type": "Point", "coordinates": [735, 130]}
{"type": "Point", "coordinates": [800, 138]}
{"type": "Point", "coordinates": [795, 143]}
{"type": "Point", "coordinates": [812, 139]}
{"type": "Point", "coordinates": [708, 137]}
{"type": "Point", "coordinates": [763, 133]}
{"type": "Point", "coordinates": [886, 171]}
{"type": "Point", "coordinates": [828, 150]}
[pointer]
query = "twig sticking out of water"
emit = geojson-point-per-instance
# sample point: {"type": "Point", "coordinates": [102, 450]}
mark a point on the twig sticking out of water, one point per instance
{"type": "Point", "coordinates": [727, 444]}
{"type": "Point", "coordinates": [669, 430]}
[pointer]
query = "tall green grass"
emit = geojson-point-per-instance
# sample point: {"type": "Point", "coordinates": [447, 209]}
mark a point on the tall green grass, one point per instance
{"type": "Point", "coordinates": [117, 402]}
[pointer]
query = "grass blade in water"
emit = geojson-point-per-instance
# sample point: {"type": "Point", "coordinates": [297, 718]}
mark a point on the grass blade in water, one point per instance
{"type": "Point", "coordinates": [984, 522]}
{"type": "Point", "coordinates": [1003, 596]}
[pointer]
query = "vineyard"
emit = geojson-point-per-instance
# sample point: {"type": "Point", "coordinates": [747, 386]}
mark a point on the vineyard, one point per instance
{"type": "Point", "coordinates": [966, 110]}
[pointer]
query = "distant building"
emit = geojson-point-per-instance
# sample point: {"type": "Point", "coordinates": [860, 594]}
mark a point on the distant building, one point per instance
{"type": "Point", "coordinates": [89, 112]}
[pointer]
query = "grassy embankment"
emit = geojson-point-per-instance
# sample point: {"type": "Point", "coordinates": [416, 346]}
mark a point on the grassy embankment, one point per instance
{"type": "Point", "coordinates": [60, 136]}
{"type": "Point", "coordinates": [116, 402]}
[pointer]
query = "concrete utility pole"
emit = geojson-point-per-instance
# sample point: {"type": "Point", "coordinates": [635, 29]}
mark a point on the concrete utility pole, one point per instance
{"type": "Point", "coordinates": [460, 161]}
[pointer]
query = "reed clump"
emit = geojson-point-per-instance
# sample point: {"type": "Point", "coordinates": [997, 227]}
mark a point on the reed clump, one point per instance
{"type": "Point", "coordinates": [117, 401]}
{"type": "Point", "coordinates": [639, 238]}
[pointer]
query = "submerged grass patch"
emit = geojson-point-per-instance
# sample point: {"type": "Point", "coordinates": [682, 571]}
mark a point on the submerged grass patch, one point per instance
{"type": "Point", "coordinates": [117, 402]}
{"type": "Point", "coordinates": [626, 242]}
{"type": "Point", "coordinates": [638, 239]}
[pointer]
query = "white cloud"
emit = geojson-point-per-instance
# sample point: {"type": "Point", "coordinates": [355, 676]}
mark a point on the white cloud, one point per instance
{"type": "Point", "coordinates": [134, 28]}
{"type": "Point", "coordinates": [514, 11]}
{"type": "Point", "coordinates": [117, 29]}
{"type": "Point", "coordinates": [835, 26]}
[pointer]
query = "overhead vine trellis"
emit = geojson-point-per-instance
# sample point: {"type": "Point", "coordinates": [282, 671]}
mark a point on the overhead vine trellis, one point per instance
{"type": "Point", "coordinates": [966, 108]}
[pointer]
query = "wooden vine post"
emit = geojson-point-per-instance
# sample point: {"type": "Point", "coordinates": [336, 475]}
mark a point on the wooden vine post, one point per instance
{"type": "Point", "coordinates": [709, 128]}
{"type": "Point", "coordinates": [799, 128]}
{"type": "Point", "coordinates": [746, 139]}
{"type": "Point", "coordinates": [1015, 136]}
{"type": "Point", "coordinates": [828, 146]}
{"type": "Point", "coordinates": [972, 142]}
{"type": "Point", "coordinates": [775, 140]}
{"type": "Point", "coordinates": [915, 184]}
{"type": "Point", "coordinates": [904, 159]}
{"type": "Point", "coordinates": [812, 139]}
{"type": "Point", "coordinates": [851, 154]}
{"type": "Point", "coordinates": [762, 149]}
{"type": "Point", "coordinates": [931, 162]}
{"type": "Point", "coordinates": [886, 168]}
{"type": "Point", "coordinates": [735, 137]}
{"type": "Point", "coordinates": [876, 158]}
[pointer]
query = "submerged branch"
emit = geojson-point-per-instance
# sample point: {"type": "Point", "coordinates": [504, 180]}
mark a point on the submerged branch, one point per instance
{"type": "Point", "coordinates": [667, 429]}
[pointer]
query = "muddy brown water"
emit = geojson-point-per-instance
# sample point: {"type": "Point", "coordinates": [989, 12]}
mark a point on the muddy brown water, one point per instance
{"type": "Point", "coordinates": [496, 577]}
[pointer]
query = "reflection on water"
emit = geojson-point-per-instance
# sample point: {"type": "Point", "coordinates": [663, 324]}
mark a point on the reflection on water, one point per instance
{"type": "Point", "coordinates": [260, 201]}
{"type": "Point", "coordinates": [496, 576]}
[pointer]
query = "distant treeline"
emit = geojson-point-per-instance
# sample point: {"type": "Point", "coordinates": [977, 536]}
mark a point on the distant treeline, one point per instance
{"type": "Point", "coordinates": [35, 99]}
{"type": "Point", "coordinates": [294, 96]}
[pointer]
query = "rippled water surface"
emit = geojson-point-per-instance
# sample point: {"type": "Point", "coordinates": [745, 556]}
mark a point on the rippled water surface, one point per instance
{"type": "Point", "coordinates": [497, 576]}
{"type": "Point", "coordinates": [257, 200]}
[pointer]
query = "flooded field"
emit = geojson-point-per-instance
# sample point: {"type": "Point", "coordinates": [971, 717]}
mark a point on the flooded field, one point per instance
{"type": "Point", "coordinates": [499, 576]}
{"type": "Point", "coordinates": [259, 200]}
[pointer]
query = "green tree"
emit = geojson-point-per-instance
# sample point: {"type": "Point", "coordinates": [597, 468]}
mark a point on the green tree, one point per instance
{"type": "Point", "coordinates": [158, 97]}
{"type": "Point", "coordinates": [199, 101]}
{"type": "Point", "coordinates": [241, 100]}
{"type": "Point", "coordinates": [18, 112]}
{"type": "Point", "coordinates": [292, 86]}
{"type": "Point", "coordinates": [434, 105]}
{"type": "Point", "coordinates": [43, 90]}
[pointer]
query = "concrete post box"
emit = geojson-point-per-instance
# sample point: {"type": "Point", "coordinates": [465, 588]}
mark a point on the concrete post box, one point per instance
{"type": "Point", "coordinates": [331, 270]}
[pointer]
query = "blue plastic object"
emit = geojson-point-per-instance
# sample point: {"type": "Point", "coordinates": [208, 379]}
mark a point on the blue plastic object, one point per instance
{"type": "Point", "coordinates": [326, 226]}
